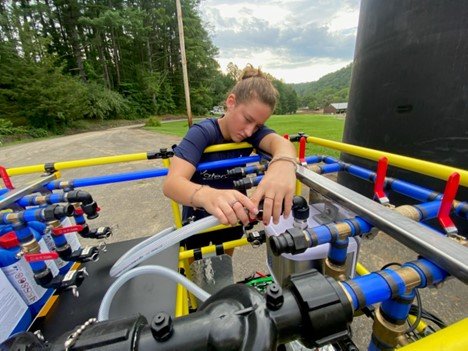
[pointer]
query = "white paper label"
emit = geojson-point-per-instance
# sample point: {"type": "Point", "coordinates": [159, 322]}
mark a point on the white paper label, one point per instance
{"type": "Point", "coordinates": [21, 277]}
{"type": "Point", "coordinates": [50, 263]}
{"type": "Point", "coordinates": [12, 308]}
{"type": "Point", "coordinates": [51, 246]}
{"type": "Point", "coordinates": [72, 238]}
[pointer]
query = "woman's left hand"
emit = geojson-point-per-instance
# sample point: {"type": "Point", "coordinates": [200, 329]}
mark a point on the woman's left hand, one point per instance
{"type": "Point", "coordinates": [277, 190]}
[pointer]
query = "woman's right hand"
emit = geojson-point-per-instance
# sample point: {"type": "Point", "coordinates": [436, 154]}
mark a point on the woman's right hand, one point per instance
{"type": "Point", "coordinates": [228, 206]}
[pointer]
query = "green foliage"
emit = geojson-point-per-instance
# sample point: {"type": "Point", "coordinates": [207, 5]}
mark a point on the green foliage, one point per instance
{"type": "Point", "coordinates": [153, 122]}
{"type": "Point", "coordinates": [333, 87]}
{"type": "Point", "coordinates": [287, 102]}
{"type": "Point", "coordinates": [102, 103]}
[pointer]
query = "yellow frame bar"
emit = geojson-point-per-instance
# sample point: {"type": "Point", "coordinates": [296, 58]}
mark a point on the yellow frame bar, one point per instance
{"type": "Point", "coordinates": [227, 147]}
{"type": "Point", "coordinates": [183, 255]}
{"type": "Point", "coordinates": [452, 338]}
{"type": "Point", "coordinates": [78, 163]}
{"type": "Point", "coordinates": [411, 164]}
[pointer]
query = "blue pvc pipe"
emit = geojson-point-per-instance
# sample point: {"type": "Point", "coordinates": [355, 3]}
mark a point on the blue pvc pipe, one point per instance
{"type": "Point", "coordinates": [331, 168]}
{"type": "Point", "coordinates": [338, 252]}
{"type": "Point", "coordinates": [31, 200]}
{"type": "Point", "coordinates": [313, 159]}
{"type": "Point", "coordinates": [396, 309]}
{"type": "Point", "coordinates": [375, 288]}
{"type": "Point", "coordinates": [149, 173]}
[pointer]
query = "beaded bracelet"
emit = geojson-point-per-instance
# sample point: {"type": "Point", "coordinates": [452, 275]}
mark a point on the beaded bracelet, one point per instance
{"type": "Point", "coordinates": [283, 158]}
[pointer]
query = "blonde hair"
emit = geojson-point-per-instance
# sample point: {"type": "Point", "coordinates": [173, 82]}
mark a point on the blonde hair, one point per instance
{"type": "Point", "coordinates": [254, 84]}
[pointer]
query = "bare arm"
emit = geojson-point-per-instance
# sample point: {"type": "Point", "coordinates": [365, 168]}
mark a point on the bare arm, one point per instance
{"type": "Point", "coordinates": [278, 185]}
{"type": "Point", "coordinates": [226, 205]}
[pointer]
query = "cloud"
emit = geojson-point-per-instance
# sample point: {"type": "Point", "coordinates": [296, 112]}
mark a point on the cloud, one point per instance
{"type": "Point", "coordinates": [286, 34]}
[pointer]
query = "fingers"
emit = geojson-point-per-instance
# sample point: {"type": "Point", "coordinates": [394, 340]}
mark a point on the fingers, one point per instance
{"type": "Point", "coordinates": [288, 200]}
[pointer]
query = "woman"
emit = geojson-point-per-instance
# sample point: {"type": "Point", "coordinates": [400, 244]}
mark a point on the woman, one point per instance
{"type": "Point", "coordinates": [248, 106]}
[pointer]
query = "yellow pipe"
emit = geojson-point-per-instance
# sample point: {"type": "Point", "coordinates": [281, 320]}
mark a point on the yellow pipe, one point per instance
{"type": "Point", "coordinates": [227, 146]}
{"type": "Point", "coordinates": [412, 164]}
{"type": "Point", "coordinates": [183, 255]}
{"type": "Point", "coordinates": [188, 273]}
{"type": "Point", "coordinates": [452, 338]}
{"type": "Point", "coordinates": [421, 327]}
{"type": "Point", "coordinates": [78, 163]}
{"type": "Point", "coordinates": [174, 205]}
{"type": "Point", "coordinates": [361, 270]}
{"type": "Point", "coordinates": [179, 308]}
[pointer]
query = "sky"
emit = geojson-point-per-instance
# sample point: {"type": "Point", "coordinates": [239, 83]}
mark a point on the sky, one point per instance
{"type": "Point", "coordinates": [294, 40]}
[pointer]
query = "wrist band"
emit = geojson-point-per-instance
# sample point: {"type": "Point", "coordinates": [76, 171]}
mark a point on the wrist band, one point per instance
{"type": "Point", "coordinates": [193, 195]}
{"type": "Point", "coordinates": [283, 158]}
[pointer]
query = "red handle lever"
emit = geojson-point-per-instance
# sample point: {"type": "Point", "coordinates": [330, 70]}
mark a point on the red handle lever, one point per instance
{"type": "Point", "coordinates": [65, 230]}
{"type": "Point", "coordinates": [379, 183]}
{"type": "Point", "coordinates": [450, 191]}
{"type": "Point", "coordinates": [41, 256]}
{"type": "Point", "coordinates": [6, 178]}
{"type": "Point", "coordinates": [302, 149]}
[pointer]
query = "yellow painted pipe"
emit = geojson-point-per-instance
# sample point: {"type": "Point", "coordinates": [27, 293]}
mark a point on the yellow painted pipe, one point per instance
{"type": "Point", "coordinates": [174, 205]}
{"type": "Point", "coordinates": [183, 255]}
{"type": "Point", "coordinates": [411, 164]}
{"type": "Point", "coordinates": [179, 308]}
{"type": "Point", "coordinates": [361, 270]}
{"type": "Point", "coordinates": [452, 338]}
{"type": "Point", "coordinates": [227, 146]}
{"type": "Point", "coordinates": [78, 163]}
{"type": "Point", "coordinates": [421, 327]}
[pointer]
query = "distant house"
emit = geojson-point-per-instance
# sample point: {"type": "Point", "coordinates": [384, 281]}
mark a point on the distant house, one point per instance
{"type": "Point", "coordinates": [336, 108]}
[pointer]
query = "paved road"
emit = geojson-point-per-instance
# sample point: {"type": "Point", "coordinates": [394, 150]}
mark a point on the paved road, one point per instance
{"type": "Point", "coordinates": [138, 209]}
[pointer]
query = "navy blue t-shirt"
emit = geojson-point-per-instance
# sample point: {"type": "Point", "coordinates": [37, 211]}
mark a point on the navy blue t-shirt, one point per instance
{"type": "Point", "coordinates": [197, 139]}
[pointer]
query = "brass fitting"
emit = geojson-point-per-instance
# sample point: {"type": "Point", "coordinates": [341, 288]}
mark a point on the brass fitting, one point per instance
{"type": "Point", "coordinates": [410, 276]}
{"type": "Point", "coordinates": [334, 271]}
{"type": "Point", "coordinates": [409, 212]}
{"type": "Point", "coordinates": [31, 247]}
{"type": "Point", "coordinates": [344, 230]}
{"type": "Point", "coordinates": [390, 335]}
{"type": "Point", "coordinates": [54, 224]}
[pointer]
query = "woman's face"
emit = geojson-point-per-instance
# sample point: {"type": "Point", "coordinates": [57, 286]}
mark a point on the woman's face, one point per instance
{"type": "Point", "coordinates": [244, 119]}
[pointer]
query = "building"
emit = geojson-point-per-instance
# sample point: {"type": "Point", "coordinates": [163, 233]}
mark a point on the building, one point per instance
{"type": "Point", "coordinates": [336, 108]}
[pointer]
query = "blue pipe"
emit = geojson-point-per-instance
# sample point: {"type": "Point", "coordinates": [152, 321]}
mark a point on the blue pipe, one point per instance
{"type": "Point", "coordinates": [149, 173]}
{"type": "Point", "coordinates": [331, 168]}
{"type": "Point", "coordinates": [374, 287]}
{"type": "Point", "coordinates": [397, 310]}
{"type": "Point", "coordinates": [31, 200]}
{"type": "Point", "coordinates": [338, 252]}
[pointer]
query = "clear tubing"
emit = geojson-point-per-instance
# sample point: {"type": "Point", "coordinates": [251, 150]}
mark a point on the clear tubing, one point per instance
{"type": "Point", "coordinates": [161, 243]}
{"type": "Point", "coordinates": [127, 255]}
{"type": "Point", "coordinates": [162, 271]}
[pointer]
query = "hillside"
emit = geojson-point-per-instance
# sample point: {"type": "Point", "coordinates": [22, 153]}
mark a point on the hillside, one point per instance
{"type": "Point", "coordinates": [333, 87]}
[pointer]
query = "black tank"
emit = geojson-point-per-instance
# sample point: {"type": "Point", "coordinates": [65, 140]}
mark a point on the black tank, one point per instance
{"type": "Point", "coordinates": [409, 89]}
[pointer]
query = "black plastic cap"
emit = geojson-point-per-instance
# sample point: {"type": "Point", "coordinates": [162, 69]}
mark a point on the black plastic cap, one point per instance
{"type": "Point", "coordinates": [300, 208]}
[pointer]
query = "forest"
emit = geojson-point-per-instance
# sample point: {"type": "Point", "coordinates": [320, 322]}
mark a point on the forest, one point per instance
{"type": "Point", "coordinates": [67, 60]}
{"type": "Point", "coordinates": [333, 87]}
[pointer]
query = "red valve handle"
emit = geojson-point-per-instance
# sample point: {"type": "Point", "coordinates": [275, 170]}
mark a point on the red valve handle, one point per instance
{"type": "Point", "coordinates": [379, 192]}
{"type": "Point", "coordinates": [6, 178]}
{"type": "Point", "coordinates": [450, 191]}
{"type": "Point", "coordinates": [41, 256]}
{"type": "Point", "coordinates": [66, 230]}
{"type": "Point", "coordinates": [302, 149]}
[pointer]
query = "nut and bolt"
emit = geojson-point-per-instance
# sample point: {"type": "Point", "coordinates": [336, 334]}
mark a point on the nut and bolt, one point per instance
{"type": "Point", "coordinates": [161, 326]}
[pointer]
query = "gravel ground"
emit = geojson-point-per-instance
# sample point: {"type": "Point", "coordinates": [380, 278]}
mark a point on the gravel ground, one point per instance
{"type": "Point", "coordinates": [138, 209]}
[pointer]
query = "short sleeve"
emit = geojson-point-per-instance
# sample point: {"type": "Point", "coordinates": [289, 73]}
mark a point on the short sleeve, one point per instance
{"type": "Point", "coordinates": [257, 137]}
{"type": "Point", "coordinates": [194, 143]}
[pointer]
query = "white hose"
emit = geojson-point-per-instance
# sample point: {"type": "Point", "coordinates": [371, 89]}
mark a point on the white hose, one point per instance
{"type": "Point", "coordinates": [159, 270]}
{"type": "Point", "coordinates": [127, 255]}
{"type": "Point", "coordinates": [160, 242]}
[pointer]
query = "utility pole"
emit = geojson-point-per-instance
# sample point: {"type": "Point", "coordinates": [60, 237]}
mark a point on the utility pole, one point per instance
{"type": "Point", "coordinates": [184, 62]}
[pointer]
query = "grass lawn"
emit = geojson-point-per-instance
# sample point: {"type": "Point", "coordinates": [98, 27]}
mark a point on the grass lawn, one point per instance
{"type": "Point", "coordinates": [321, 126]}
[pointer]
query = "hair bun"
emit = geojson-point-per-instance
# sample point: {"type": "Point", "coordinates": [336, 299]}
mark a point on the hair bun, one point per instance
{"type": "Point", "coordinates": [249, 72]}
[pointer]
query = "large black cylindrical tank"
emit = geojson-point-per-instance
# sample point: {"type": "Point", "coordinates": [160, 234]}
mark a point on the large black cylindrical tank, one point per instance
{"type": "Point", "coordinates": [409, 89]}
